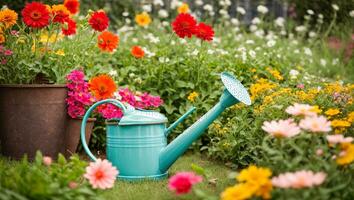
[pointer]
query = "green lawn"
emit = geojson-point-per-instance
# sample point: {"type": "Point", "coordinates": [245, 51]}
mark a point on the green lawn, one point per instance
{"type": "Point", "coordinates": [158, 189]}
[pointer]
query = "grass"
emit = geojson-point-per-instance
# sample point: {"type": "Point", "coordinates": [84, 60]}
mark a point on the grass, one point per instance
{"type": "Point", "coordinates": [124, 190]}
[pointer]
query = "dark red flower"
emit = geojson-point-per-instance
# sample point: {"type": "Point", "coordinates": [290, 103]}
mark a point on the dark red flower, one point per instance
{"type": "Point", "coordinates": [35, 15]}
{"type": "Point", "coordinates": [99, 21]}
{"type": "Point", "coordinates": [184, 25]}
{"type": "Point", "coordinates": [72, 5]}
{"type": "Point", "coordinates": [204, 32]}
{"type": "Point", "coordinates": [69, 27]}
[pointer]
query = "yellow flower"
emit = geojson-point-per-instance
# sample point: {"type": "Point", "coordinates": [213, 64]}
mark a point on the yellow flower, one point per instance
{"type": "Point", "coordinates": [60, 52]}
{"type": "Point", "coordinates": [44, 37]}
{"type": "Point", "coordinates": [253, 70]}
{"type": "Point", "coordinates": [191, 97]}
{"type": "Point", "coordinates": [275, 73]}
{"type": "Point", "coordinates": [48, 8]}
{"type": "Point", "coordinates": [184, 8]}
{"type": "Point", "coordinates": [332, 112]}
{"type": "Point", "coordinates": [60, 8]}
{"type": "Point", "coordinates": [2, 38]}
{"type": "Point", "coordinates": [261, 86]}
{"type": "Point", "coordinates": [340, 123]}
{"type": "Point", "coordinates": [350, 117]}
{"type": "Point", "coordinates": [143, 19]}
{"type": "Point", "coordinates": [316, 109]}
{"type": "Point", "coordinates": [347, 154]}
{"type": "Point", "coordinates": [238, 192]}
{"type": "Point", "coordinates": [8, 17]}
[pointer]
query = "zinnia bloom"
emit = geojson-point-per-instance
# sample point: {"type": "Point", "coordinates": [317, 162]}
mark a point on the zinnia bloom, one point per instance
{"type": "Point", "coordinates": [143, 19]}
{"type": "Point", "coordinates": [72, 5]}
{"type": "Point", "coordinates": [107, 41]}
{"type": "Point", "coordinates": [137, 52]}
{"type": "Point", "coordinates": [238, 192]}
{"type": "Point", "coordinates": [99, 21]}
{"type": "Point", "coordinates": [102, 86]}
{"type": "Point", "coordinates": [35, 15]}
{"type": "Point", "coordinates": [60, 13]}
{"type": "Point", "coordinates": [8, 17]}
{"type": "Point", "coordinates": [301, 109]}
{"type": "Point", "coordinates": [281, 128]}
{"type": "Point", "coordinates": [101, 174]}
{"type": "Point", "coordinates": [182, 182]}
{"type": "Point", "coordinates": [184, 8]}
{"type": "Point", "coordinates": [184, 25]}
{"type": "Point", "coordinates": [204, 32]}
{"type": "Point", "coordinates": [315, 124]}
{"type": "Point", "coordinates": [69, 27]}
{"type": "Point", "coordinates": [299, 179]}
{"type": "Point", "coordinates": [335, 139]}
{"type": "Point", "coordinates": [346, 156]}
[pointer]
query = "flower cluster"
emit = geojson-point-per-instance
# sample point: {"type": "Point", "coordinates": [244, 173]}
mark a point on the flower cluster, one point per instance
{"type": "Point", "coordinates": [4, 54]}
{"type": "Point", "coordinates": [79, 96]}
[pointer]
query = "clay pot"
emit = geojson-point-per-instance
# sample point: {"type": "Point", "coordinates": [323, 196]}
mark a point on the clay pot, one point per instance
{"type": "Point", "coordinates": [72, 134]}
{"type": "Point", "coordinates": [32, 117]}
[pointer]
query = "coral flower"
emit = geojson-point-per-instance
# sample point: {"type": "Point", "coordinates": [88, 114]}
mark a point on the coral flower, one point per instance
{"type": "Point", "coordinates": [69, 27]}
{"type": "Point", "coordinates": [184, 8]}
{"type": "Point", "coordinates": [72, 5]}
{"type": "Point", "coordinates": [184, 25]}
{"type": "Point", "coordinates": [137, 52]}
{"type": "Point", "coordinates": [35, 15]}
{"type": "Point", "coordinates": [101, 174]}
{"type": "Point", "coordinates": [182, 182]}
{"type": "Point", "coordinates": [8, 17]}
{"type": "Point", "coordinates": [299, 179]}
{"type": "Point", "coordinates": [60, 13]}
{"type": "Point", "coordinates": [99, 21]}
{"type": "Point", "coordinates": [143, 19]}
{"type": "Point", "coordinates": [315, 124]}
{"type": "Point", "coordinates": [107, 41]}
{"type": "Point", "coordinates": [301, 109]}
{"type": "Point", "coordinates": [204, 32]}
{"type": "Point", "coordinates": [335, 139]}
{"type": "Point", "coordinates": [281, 128]}
{"type": "Point", "coordinates": [102, 86]}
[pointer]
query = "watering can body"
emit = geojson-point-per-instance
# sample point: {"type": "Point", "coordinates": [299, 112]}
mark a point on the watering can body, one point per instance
{"type": "Point", "coordinates": [137, 143]}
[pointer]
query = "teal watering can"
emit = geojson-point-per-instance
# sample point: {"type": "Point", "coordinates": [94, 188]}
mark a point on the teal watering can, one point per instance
{"type": "Point", "coordinates": [137, 143]}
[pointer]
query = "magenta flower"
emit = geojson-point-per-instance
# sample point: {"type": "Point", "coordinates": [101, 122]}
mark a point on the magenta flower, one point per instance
{"type": "Point", "coordinates": [282, 128]}
{"type": "Point", "coordinates": [8, 52]}
{"type": "Point", "coordinates": [182, 182]}
{"type": "Point", "coordinates": [299, 179]}
{"type": "Point", "coordinates": [110, 111]}
{"type": "Point", "coordinates": [315, 124]}
{"type": "Point", "coordinates": [101, 174]}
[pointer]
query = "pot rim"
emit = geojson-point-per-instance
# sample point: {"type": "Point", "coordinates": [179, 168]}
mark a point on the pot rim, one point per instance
{"type": "Point", "coordinates": [90, 119]}
{"type": "Point", "coordinates": [32, 85]}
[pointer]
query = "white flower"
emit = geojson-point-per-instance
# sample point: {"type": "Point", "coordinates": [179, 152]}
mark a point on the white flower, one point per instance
{"type": "Point", "coordinates": [310, 12]}
{"type": "Point", "coordinates": [241, 10]}
{"type": "Point", "coordinates": [164, 60]}
{"type": "Point", "coordinates": [308, 51]}
{"type": "Point", "coordinates": [128, 21]}
{"type": "Point", "coordinates": [147, 8]}
{"type": "Point", "coordinates": [252, 53]}
{"type": "Point", "coordinates": [351, 13]}
{"type": "Point", "coordinates": [256, 20]}
{"type": "Point", "coordinates": [271, 43]}
{"type": "Point", "coordinates": [307, 17]}
{"type": "Point", "coordinates": [210, 51]}
{"type": "Point", "coordinates": [125, 14]}
{"type": "Point", "coordinates": [297, 51]}
{"type": "Point", "coordinates": [320, 16]}
{"type": "Point", "coordinates": [294, 73]}
{"type": "Point", "coordinates": [312, 34]}
{"type": "Point", "coordinates": [163, 13]}
{"type": "Point", "coordinates": [148, 53]}
{"type": "Point", "coordinates": [208, 7]}
{"type": "Point", "coordinates": [335, 7]}
{"type": "Point", "coordinates": [279, 21]}
{"type": "Point", "coordinates": [183, 41]}
{"type": "Point", "coordinates": [249, 42]}
{"type": "Point", "coordinates": [262, 9]}
{"type": "Point", "coordinates": [164, 23]}
{"type": "Point", "coordinates": [323, 62]}
{"type": "Point", "coordinates": [113, 73]}
{"type": "Point", "coordinates": [158, 2]}
{"type": "Point", "coordinates": [253, 28]}
{"type": "Point", "coordinates": [135, 40]}
{"type": "Point", "coordinates": [198, 2]}
{"type": "Point", "coordinates": [300, 28]}
{"type": "Point", "coordinates": [259, 33]}
{"type": "Point", "coordinates": [195, 52]}
{"type": "Point", "coordinates": [235, 21]}
{"type": "Point", "coordinates": [335, 61]}
{"type": "Point", "coordinates": [175, 4]}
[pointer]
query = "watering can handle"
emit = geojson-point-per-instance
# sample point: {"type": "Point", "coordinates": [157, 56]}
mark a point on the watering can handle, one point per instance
{"type": "Point", "coordinates": [87, 115]}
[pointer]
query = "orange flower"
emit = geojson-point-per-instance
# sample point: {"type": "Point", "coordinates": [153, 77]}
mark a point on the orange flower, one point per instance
{"type": "Point", "coordinates": [107, 41]}
{"type": "Point", "coordinates": [72, 5]}
{"type": "Point", "coordinates": [8, 17]}
{"type": "Point", "coordinates": [137, 52]}
{"type": "Point", "coordinates": [102, 87]}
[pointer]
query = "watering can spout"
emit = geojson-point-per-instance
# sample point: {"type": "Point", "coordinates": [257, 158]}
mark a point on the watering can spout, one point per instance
{"type": "Point", "coordinates": [234, 93]}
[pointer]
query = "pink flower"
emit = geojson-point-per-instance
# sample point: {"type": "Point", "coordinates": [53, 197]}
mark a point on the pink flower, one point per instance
{"type": "Point", "coordinates": [315, 124]}
{"type": "Point", "coordinates": [300, 86]}
{"type": "Point", "coordinates": [299, 179]}
{"type": "Point", "coordinates": [182, 182]}
{"type": "Point", "coordinates": [301, 109]}
{"type": "Point", "coordinates": [8, 52]}
{"type": "Point", "coordinates": [47, 160]}
{"type": "Point", "coordinates": [319, 152]}
{"type": "Point", "coordinates": [72, 185]}
{"type": "Point", "coordinates": [281, 128]}
{"type": "Point", "coordinates": [334, 139]}
{"type": "Point", "coordinates": [110, 111]}
{"type": "Point", "coordinates": [3, 61]}
{"type": "Point", "coordinates": [101, 174]}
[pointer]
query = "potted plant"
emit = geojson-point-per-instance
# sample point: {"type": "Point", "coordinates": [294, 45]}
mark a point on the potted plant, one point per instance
{"type": "Point", "coordinates": [36, 55]}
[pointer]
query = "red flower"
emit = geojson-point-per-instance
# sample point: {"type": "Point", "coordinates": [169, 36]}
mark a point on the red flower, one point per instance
{"type": "Point", "coordinates": [60, 13]}
{"type": "Point", "coordinates": [137, 52]}
{"type": "Point", "coordinates": [184, 25]}
{"type": "Point", "coordinates": [107, 41]}
{"type": "Point", "coordinates": [99, 21]}
{"type": "Point", "coordinates": [204, 32]}
{"type": "Point", "coordinates": [69, 27]}
{"type": "Point", "coordinates": [35, 15]}
{"type": "Point", "coordinates": [72, 5]}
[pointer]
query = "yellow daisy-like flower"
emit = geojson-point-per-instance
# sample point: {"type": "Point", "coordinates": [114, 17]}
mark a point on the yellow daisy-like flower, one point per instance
{"type": "Point", "coordinates": [8, 17]}
{"type": "Point", "coordinates": [316, 109]}
{"type": "Point", "coordinates": [191, 97]}
{"type": "Point", "coordinates": [2, 38]}
{"type": "Point", "coordinates": [350, 117]}
{"type": "Point", "coordinates": [275, 73]}
{"type": "Point", "coordinates": [143, 19]}
{"type": "Point", "coordinates": [332, 112]}
{"type": "Point", "coordinates": [347, 154]}
{"type": "Point", "coordinates": [340, 123]}
{"type": "Point", "coordinates": [238, 192]}
{"type": "Point", "coordinates": [184, 8]}
{"type": "Point", "coordinates": [60, 52]}
{"type": "Point", "coordinates": [44, 37]}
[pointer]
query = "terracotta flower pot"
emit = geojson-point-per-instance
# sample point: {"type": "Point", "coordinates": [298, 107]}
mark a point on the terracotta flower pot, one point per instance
{"type": "Point", "coordinates": [72, 134]}
{"type": "Point", "coordinates": [32, 117]}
